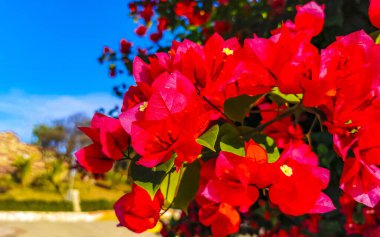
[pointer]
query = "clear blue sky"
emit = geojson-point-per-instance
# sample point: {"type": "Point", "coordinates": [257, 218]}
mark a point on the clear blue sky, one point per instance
{"type": "Point", "coordinates": [48, 58]}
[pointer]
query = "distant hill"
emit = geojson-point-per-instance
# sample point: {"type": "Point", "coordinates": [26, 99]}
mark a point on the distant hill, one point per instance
{"type": "Point", "coordinates": [11, 148]}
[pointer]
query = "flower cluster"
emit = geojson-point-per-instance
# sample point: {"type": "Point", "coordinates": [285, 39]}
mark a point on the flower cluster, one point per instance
{"type": "Point", "coordinates": [190, 119]}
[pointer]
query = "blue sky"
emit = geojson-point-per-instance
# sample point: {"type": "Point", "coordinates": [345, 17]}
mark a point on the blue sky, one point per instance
{"type": "Point", "coordinates": [48, 58]}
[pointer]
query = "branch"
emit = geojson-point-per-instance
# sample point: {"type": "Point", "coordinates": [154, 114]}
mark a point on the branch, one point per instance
{"type": "Point", "coordinates": [288, 112]}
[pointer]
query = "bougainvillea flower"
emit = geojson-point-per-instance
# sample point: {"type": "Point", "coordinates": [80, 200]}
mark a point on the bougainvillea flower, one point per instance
{"type": "Point", "coordinates": [132, 7]}
{"type": "Point", "coordinates": [141, 30]}
{"type": "Point", "coordinates": [361, 180]}
{"type": "Point", "coordinates": [108, 132]}
{"type": "Point", "coordinates": [223, 2]}
{"type": "Point", "coordinates": [156, 125]}
{"type": "Point", "coordinates": [155, 36]}
{"type": "Point", "coordinates": [235, 177]}
{"type": "Point", "coordinates": [231, 185]}
{"type": "Point", "coordinates": [147, 12]}
{"type": "Point", "coordinates": [137, 211]}
{"type": "Point", "coordinates": [374, 12]}
{"type": "Point", "coordinates": [125, 46]}
{"type": "Point", "coordinates": [185, 8]}
{"type": "Point", "coordinates": [110, 142]}
{"type": "Point", "coordinates": [147, 73]}
{"type": "Point", "coordinates": [298, 183]}
{"type": "Point", "coordinates": [283, 131]}
{"type": "Point", "coordinates": [92, 159]}
{"type": "Point", "coordinates": [162, 24]}
{"type": "Point", "coordinates": [222, 218]}
{"type": "Point", "coordinates": [351, 81]}
{"type": "Point", "coordinates": [222, 27]}
{"type": "Point", "coordinates": [199, 17]}
{"type": "Point", "coordinates": [277, 6]}
{"type": "Point", "coordinates": [135, 95]}
{"type": "Point", "coordinates": [310, 17]}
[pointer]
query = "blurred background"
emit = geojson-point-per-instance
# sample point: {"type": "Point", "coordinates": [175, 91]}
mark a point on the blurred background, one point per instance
{"type": "Point", "coordinates": [52, 82]}
{"type": "Point", "coordinates": [63, 60]}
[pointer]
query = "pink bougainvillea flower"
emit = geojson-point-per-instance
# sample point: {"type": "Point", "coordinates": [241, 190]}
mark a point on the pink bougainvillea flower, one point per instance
{"type": "Point", "coordinates": [374, 12]}
{"type": "Point", "coordinates": [222, 218]}
{"type": "Point", "coordinates": [137, 211]}
{"type": "Point", "coordinates": [110, 143]}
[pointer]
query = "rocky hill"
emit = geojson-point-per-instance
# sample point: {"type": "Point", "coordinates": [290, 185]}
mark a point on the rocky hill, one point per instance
{"type": "Point", "coordinates": [11, 148]}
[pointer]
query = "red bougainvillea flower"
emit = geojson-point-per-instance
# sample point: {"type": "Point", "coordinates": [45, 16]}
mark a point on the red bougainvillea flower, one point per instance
{"type": "Point", "coordinates": [132, 8]}
{"type": "Point", "coordinates": [107, 50]}
{"type": "Point", "coordinates": [222, 27]}
{"type": "Point", "coordinates": [142, 51]}
{"type": "Point", "coordinates": [283, 131]}
{"type": "Point", "coordinates": [361, 180]}
{"type": "Point", "coordinates": [350, 83]}
{"type": "Point", "coordinates": [156, 125]}
{"type": "Point", "coordinates": [199, 17]}
{"type": "Point", "coordinates": [310, 17]}
{"type": "Point", "coordinates": [222, 218]}
{"type": "Point", "coordinates": [110, 142]}
{"type": "Point", "coordinates": [277, 6]}
{"type": "Point", "coordinates": [374, 12]}
{"type": "Point", "coordinates": [232, 181]}
{"type": "Point", "coordinates": [125, 46]}
{"type": "Point", "coordinates": [163, 24]}
{"type": "Point", "coordinates": [298, 183]}
{"type": "Point", "coordinates": [112, 70]}
{"type": "Point", "coordinates": [147, 12]}
{"type": "Point", "coordinates": [147, 73]}
{"type": "Point", "coordinates": [185, 8]}
{"type": "Point", "coordinates": [141, 30]}
{"type": "Point", "coordinates": [137, 211]}
{"type": "Point", "coordinates": [93, 159]}
{"type": "Point", "coordinates": [155, 36]}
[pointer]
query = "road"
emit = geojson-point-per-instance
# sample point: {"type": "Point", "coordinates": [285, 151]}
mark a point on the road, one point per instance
{"type": "Point", "coordinates": [64, 229]}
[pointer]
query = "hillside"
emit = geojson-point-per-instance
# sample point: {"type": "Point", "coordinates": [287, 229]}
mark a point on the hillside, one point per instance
{"type": "Point", "coordinates": [11, 148]}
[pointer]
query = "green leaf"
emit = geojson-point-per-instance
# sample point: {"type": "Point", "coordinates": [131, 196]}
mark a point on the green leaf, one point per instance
{"type": "Point", "coordinates": [150, 179]}
{"type": "Point", "coordinates": [231, 141]}
{"type": "Point", "coordinates": [280, 98]}
{"type": "Point", "coordinates": [236, 108]}
{"type": "Point", "coordinates": [169, 186]}
{"type": "Point", "coordinates": [188, 187]}
{"type": "Point", "coordinates": [269, 145]}
{"type": "Point", "coordinates": [208, 138]}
